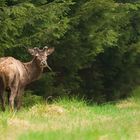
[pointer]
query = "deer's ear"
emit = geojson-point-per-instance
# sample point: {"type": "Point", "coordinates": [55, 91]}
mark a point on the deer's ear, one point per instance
{"type": "Point", "coordinates": [50, 51]}
{"type": "Point", "coordinates": [33, 52]}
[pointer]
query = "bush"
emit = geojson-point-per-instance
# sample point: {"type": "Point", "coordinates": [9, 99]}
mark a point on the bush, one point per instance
{"type": "Point", "coordinates": [30, 99]}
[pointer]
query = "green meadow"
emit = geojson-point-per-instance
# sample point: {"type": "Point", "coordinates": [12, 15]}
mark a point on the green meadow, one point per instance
{"type": "Point", "coordinates": [72, 119]}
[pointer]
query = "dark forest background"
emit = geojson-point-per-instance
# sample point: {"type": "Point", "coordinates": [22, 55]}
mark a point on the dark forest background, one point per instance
{"type": "Point", "coordinates": [97, 44]}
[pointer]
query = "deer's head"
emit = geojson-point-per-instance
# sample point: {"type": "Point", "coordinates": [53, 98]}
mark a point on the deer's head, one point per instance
{"type": "Point", "coordinates": [41, 55]}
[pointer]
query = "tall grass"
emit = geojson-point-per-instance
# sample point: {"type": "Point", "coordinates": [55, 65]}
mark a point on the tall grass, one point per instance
{"type": "Point", "coordinates": [71, 119]}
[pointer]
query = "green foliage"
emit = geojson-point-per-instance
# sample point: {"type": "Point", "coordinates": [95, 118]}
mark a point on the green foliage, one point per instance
{"type": "Point", "coordinates": [102, 39]}
{"type": "Point", "coordinates": [30, 99]}
{"type": "Point", "coordinates": [97, 44]}
{"type": "Point", "coordinates": [26, 23]}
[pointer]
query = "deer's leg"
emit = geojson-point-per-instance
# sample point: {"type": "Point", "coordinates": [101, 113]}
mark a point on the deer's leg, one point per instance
{"type": "Point", "coordinates": [12, 98]}
{"type": "Point", "coordinates": [14, 86]}
{"type": "Point", "coordinates": [2, 95]}
{"type": "Point", "coordinates": [2, 99]}
{"type": "Point", "coordinates": [8, 96]}
{"type": "Point", "coordinates": [19, 98]}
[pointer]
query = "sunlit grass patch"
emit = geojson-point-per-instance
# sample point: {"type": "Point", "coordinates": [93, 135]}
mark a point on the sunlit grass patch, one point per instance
{"type": "Point", "coordinates": [71, 102]}
{"type": "Point", "coordinates": [17, 122]}
{"type": "Point", "coordinates": [128, 103]}
{"type": "Point", "coordinates": [45, 109]}
{"type": "Point", "coordinates": [62, 135]}
{"type": "Point", "coordinates": [72, 119]}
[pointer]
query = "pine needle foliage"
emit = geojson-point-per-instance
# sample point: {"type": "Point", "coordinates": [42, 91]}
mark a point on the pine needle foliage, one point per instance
{"type": "Point", "coordinates": [96, 41]}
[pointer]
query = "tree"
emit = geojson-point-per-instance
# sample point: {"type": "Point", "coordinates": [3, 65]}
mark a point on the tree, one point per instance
{"type": "Point", "coordinates": [97, 43]}
{"type": "Point", "coordinates": [32, 23]}
{"type": "Point", "coordinates": [99, 47]}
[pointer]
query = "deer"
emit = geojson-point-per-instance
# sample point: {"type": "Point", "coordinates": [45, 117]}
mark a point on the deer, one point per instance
{"type": "Point", "coordinates": [15, 75]}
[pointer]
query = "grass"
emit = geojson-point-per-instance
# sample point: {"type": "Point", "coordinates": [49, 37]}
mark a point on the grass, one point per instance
{"type": "Point", "coordinates": [73, 120]}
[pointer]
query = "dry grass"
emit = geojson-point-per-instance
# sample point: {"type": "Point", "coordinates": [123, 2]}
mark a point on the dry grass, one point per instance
{"type": "Point", "coordinates": [129, 103]}
{"type": "Point", "coordinates": [44, 110]}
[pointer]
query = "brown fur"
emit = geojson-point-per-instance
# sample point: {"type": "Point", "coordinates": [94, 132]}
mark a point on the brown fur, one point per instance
{"type": "Point", "coordinates": [15, 75]}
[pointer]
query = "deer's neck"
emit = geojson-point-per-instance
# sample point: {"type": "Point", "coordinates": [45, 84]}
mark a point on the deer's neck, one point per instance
{"type": "Point", "coordinates": [33, 70]}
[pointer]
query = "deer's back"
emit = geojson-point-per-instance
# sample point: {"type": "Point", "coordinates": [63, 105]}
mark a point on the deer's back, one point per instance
{"type": "Point", "coordinates": [11, 69]}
